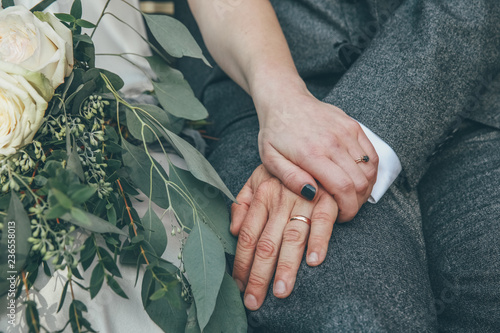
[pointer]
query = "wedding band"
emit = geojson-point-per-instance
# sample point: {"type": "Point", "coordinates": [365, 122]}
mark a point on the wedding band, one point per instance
{"type": "Point", "coordinates": [363, 159]}
{"type": "Point", "coordinates": [301, 218]}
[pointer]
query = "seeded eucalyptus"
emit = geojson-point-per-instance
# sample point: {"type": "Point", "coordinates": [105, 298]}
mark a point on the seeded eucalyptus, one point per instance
{"type": "Point", "coordinates": [89, 158]}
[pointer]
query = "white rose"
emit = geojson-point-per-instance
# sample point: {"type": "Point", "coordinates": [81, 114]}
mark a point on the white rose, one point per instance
{"type": "Point", "coordinates": [23, 101]}
{"type": "Point", "coordinates": [38, 43]}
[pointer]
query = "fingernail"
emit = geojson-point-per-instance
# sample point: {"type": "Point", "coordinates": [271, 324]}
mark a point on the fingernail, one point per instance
{"type": "Point", "coordinates": [239, 284]}
{"type": "Point", "coordinates": [279, 287]}
{"type": "Point", "coordinates": [313, 258]}
{"type": "Point", "coordinates": [308, 192]}
{"type": "Point", "coordinates": [250, 301]}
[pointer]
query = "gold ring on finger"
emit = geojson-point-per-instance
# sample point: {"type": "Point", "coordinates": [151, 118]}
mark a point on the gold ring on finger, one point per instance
{"type": "Point", "coordinates": [302, 218]}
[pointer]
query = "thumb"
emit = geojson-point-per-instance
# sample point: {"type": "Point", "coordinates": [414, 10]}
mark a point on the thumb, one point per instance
{"type": "Point", "coordinates": [293, 177]}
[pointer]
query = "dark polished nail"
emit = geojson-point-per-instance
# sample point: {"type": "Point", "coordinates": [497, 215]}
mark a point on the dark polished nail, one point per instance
{"type": "Point", "coordinates": [308, 192]}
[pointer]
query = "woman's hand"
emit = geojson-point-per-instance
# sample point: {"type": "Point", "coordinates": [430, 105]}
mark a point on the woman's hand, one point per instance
{"type": "Point", "coordinates": [268, 241]}
{"type": "Point", "coordinates": [302, 139]}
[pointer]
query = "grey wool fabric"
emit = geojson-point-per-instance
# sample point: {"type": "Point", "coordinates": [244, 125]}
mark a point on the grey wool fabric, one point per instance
{"type": "Point", "coordinates": [423, 75]}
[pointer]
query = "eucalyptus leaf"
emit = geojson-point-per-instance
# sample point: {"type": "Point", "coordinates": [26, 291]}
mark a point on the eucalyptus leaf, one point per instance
{"type": "Point", "coordinates": [229, 305]}
{"type": "Point", "coordinates": [76, 9]}
{"type": "Point", "coordinates": [174, 37]}
{"type": "Point", "coordinates": [204, 260]}
{"type": "Point", "coordinates": [85, 24]}
{"type": "Point", "coordinates": [90, 222]}
{"type": "Point", "coordinates": [209, 203]}
{"type": "Point", "coordinates": [148, 114]}
{"type": "Point", "coordinates": [7, 3]}
{"type": "Point", "coordinates": [177, 97]}
{"type": "Point", "coordinates": [115, 286]}
{"type": "Point", "coordinates": [144, 176]}
{"type": "Point", "coordinates": [108, 262]}
{"type": "Point", "coordinates": [42, 5]}
{"type": "Point", "coordinates": [154, 231]}
{"type": "Point", "coordinates": [16, 226]}
{"type": "Point", "coordinates": [96, 280]}
{"type": "Point", "coordinates": [196, 163]}
{"type": "Point", "coordinates": [169, 317]}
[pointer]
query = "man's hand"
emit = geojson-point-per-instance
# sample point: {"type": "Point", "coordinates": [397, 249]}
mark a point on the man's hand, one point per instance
{"type": "Point", "coordinates": [268, 241]}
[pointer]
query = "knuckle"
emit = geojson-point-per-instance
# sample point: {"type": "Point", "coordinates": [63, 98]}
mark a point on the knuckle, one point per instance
{"type": "Point", "coordinates": [371, 174]}
{"type": "Point", "coordinates": [266, 248]}
{"type": "Point", "coordinates": [318, 240]}
{"type": "Point", "coordinates": [289, 176]}
{"type": "Point", "coordinates": [321, 217]}
{"type": "Point", "coordinates": [246, 239]}
{"type": "Point", "coordinates": [348, 215]}
{"type": "Point", "coordinates": [362, 186]}
{"type": "Point", "coordinates": [345, 185]}
{"type": "Point", "coordinates": [285, 266]}
{"type": "Point", "coordinates": [294, 236]}
{"type": "Point", "coordinates": [257, 281]}
{"type": "Point", "coordinates": [239, 265]}
{"type": "Point", "coordinates": [374, 159]}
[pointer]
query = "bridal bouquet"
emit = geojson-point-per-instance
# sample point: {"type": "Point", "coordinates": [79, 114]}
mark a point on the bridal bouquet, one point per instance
{"type": "Point", "coordinates": [74, 153]}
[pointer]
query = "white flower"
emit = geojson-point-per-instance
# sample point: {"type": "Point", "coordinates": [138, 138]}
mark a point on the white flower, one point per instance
{"type": "Point", "coordinates": [38, 43]}
{"type": "Point", "coordinates": [23, 101]}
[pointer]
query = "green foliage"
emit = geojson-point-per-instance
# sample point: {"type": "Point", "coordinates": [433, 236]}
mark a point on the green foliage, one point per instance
{"type": "Point", "coordinates": [174, 37]}
{"type": "Point", "coordinates": [205, 264]}
{"type": "Point", "coordinates": [87, 163]}
{"type": "Point", "coordinates": [7, 3]}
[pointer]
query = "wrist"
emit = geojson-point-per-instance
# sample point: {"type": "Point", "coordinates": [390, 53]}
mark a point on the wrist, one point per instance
{"type": "Point", "coordinates": [273, 88]}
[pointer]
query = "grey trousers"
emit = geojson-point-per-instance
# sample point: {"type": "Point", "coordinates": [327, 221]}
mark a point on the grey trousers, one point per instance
{"type": "Point", "coordinates": [420, 260]}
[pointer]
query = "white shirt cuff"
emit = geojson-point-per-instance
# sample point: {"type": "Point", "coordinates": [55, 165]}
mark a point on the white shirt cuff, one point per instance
{"type": "Point", "coordinates": [389, 165]}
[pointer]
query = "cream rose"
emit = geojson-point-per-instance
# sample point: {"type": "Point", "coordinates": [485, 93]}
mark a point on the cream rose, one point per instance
{"type": "Point", "coordinates": [24, 97]}
{"type": "Point", "coordinates": [38, 43]}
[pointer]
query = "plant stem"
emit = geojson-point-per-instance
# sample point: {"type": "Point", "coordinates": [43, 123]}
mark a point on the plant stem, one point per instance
{"type": "Point", "coordinates": [100, 18]}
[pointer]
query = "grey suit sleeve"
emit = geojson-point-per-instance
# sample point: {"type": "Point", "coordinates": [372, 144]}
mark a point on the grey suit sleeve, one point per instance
{"type": "Point", "coordinates": [420, 75]}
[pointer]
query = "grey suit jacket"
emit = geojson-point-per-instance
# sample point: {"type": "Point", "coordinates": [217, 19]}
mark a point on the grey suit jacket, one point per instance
{"type": "Point", "coordinates": [409, 70]}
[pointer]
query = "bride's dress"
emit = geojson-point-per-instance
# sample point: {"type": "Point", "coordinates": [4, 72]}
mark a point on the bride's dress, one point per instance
{"type": "Point", "coordinates": [107, 312]}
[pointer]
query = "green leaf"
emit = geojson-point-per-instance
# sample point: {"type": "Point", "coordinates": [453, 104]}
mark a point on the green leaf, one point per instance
{"type": "Point", "coordinates": [148, 114]}
{"type": "Point", "coordinates": [83, 194]}
{"type": "Point", "coordinates": [74, 163]}
{"type": "Point", "coordinates": [63, 296]}
{"type": "Point", "coordinates": [168, 316]}
{"type": "Point", "coordinates": [111, 214]}
{"type": "Point", "coordinates": [115, 286]}
{"type": "Point", "coordinates": [56, 212]}
{"type": "Point", "coordinates": [90, 222]}
{"type": "Point", "coordinates": [16, 227]}
{"type": "Point", "coordinates": [115, 80]}
{"type": "Point", "coordinates": [229, 314]}
{"type": "Point", "coordinates": [76, 9]}
{"type": "Point", "coordinates": [65, 17]}
{"type": "Point", "coordinates": [108, 262]}
{"type": "Point", "coordinates": [154, 231]}
{"type": "Point", "coordinates": [62, 198]}
{"type": "Point", "coordinates": [85, 24]}
{"type": "Point", "coordinates": [144, 176]}
{"type": "Point", "coordinates": [88, 253]}
{"type": "Point", "coordinates": [42, 5]}
{"type": "Point", "coordinates": [32, 317]}
{"type": "Point", "coordinates": [173, 36]}
{"type": "Point", "coordinates": [176, 96]}
{"type": "Point", "coordinates": [157, 294]}
{"type": "Point", "coordinates": [209, 203]}
{"type": "Point", "coordinates": [7, 3]}
{"type": "Point", "coordinates": [205, 263]}
{"type": "Point", "coordinates": [96, 280]}
{"type": "Point", "coordinates": [197, 164]}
